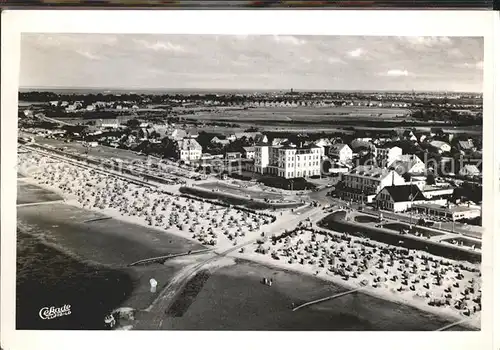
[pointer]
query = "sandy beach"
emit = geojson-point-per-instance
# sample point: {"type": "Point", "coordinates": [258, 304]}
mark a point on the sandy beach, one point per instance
{"type": "Point", "coordinates": [448, 288]}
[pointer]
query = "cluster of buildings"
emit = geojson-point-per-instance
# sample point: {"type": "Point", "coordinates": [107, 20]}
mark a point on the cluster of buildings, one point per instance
{"type": "Point", "coordinates": [282, 158]}
{"type": "Point", "coordinates": [81, 106]}
{"type": "Point", "coordinates": [386, 189]}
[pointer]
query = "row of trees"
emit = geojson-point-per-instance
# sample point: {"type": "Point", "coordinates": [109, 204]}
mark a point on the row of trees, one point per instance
{"type": "Point", "coordinates": [447, 114]}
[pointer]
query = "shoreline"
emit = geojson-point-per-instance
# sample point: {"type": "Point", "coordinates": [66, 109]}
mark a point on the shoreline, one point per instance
{"type": "Point", "coordinates": [442, 313]}
{"type": "Point", "coordinates": [254, 259]}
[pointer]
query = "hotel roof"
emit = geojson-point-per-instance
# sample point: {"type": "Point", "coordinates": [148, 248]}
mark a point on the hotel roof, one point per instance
{"type": "Point", "coordinates": [405, 193]}
{"type": "Point", "coordinates": [370, 171]}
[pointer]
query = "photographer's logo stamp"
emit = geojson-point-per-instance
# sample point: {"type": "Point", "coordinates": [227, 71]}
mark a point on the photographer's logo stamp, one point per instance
{"type": "Point", "coordinates": [48, 313]}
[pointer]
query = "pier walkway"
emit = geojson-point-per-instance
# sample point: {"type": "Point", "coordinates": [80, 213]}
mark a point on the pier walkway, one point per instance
{"type": "Point", "coordinates": [39, 203]}
{"type": "Point", "coordinates": [166, 257]}
{"type": "Point", "coordinates": [452, 325]}
{"type": "Point", "coordinates": [317, 301]}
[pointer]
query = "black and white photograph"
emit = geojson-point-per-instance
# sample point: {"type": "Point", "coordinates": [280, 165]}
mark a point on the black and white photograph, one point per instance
{"type": "Point", "coordinates": [302, 182]}
{"type": "Point", "coordinates": [249, 182]}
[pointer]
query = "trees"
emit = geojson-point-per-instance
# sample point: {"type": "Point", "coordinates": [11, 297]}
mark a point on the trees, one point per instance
{"type": "Point", "coordinates": [155, 135]}
{"type": "Point", "coordinates": [133, 123]}
{"type": "Point", "coordinates": [326, 166]}
{"type": "Point", "coordinates": [169, 148]}
{"type": "Point", "coordinates": [431, 179]}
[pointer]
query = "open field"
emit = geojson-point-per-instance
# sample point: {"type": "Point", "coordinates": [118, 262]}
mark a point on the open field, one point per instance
{"type": "Point", "coordinates": [309, 114]}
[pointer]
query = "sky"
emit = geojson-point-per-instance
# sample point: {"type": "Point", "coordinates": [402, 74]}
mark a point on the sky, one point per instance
{"type": "Point", "coordinates": [250, 62]}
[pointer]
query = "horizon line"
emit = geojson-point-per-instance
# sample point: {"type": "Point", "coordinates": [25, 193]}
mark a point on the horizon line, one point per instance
{"type": "Point", "coordinates": [48, 88]}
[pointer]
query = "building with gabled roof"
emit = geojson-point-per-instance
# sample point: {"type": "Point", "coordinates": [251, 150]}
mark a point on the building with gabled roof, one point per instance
{"type": "Point", "coordinates": [279, 141]}
{"type": "Point", "coordinates": [399, 198]}
{"type": "Point", "coordinates": [408, 164]}
{"type": "Point", "coordinates": [365, 181]}
{"type": "Point", "coordinates": [189, 150]}
{"type": "Point", "coordinates": [340, 152]}
{"type": "Point", "coordinates": [249, 152]}
{"type": "Point", "coordinates": [387, 155]}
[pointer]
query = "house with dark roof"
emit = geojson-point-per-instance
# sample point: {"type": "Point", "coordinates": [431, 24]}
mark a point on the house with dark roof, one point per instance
{"type": "Point", "coordinates": [399, 198]}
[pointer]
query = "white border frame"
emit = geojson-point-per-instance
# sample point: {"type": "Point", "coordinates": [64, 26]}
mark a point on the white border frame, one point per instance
{"type": "Point", "coordinates": [379, 23]}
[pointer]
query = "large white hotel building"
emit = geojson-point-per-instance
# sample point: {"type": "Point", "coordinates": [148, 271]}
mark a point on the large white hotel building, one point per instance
{"type": "Point", "coordinates": [288, 161]}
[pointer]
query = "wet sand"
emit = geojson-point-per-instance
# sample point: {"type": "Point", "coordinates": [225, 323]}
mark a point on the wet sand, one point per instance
{"type": "Point", "coordinates": [234, 299]}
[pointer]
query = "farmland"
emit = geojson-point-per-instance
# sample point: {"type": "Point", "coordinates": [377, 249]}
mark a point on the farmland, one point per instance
{"type": "Point", "coordinates": [300, 114]}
